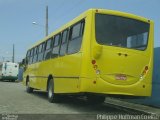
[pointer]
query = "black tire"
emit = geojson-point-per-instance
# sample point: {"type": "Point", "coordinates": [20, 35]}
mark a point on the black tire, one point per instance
{"type": "Point", "coordinates": [95, 99]}
{"type": "Point", "coordinates": [28, 88]}
{"type": "Point", "coordinates": [52, 97]}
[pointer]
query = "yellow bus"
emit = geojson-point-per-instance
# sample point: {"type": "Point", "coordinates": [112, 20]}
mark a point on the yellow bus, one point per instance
{"type": "Point", "coordinates": [101, 52]}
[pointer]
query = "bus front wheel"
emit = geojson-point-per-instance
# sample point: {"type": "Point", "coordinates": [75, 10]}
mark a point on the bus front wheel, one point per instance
{"type": "Point", "coordinates": [52, 97]}
{"type": "Point", "coordinates": [28, 88]}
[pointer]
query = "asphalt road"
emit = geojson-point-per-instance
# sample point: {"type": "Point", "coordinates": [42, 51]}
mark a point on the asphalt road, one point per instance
{"type": "Point", "coordinates": [15, 100]}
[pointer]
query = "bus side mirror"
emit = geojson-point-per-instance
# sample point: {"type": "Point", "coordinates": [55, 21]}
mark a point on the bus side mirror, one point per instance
{"type": "Point", "coordinates": [97, 51]}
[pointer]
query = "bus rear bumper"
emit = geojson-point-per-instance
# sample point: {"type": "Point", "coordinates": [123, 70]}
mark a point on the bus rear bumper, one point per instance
{"type": "Point", "coordinates": [102, 87]}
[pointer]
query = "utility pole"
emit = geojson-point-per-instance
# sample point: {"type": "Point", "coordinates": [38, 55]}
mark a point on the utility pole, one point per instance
{"type": "Point", "coordinates": [47, 20]}
{"type": "Point", "coordinates": [13, 54]}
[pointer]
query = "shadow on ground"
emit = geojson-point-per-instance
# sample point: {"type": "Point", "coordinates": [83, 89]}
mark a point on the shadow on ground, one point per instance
{"type": "Point", "coordinates": [82, 105]}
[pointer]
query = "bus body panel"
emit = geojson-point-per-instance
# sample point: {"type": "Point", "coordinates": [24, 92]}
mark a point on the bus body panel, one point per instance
{"type": "Point", "coordinates": [62, 69]}
{"type": "Point", "coordinates": [109, 63]}
{"type": "Point", "coordinates": [66, 79]}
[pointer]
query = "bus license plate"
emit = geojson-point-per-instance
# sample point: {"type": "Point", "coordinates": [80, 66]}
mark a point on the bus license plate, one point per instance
{"type": "Point", "coordinates": [121, 77]}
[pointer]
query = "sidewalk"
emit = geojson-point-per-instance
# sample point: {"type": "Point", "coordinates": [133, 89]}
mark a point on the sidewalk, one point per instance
{"type": "Point", "coordinates": [138, 107]}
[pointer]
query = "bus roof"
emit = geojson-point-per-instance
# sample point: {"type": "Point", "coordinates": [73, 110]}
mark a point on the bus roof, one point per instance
{"type": "Point", "coordinates": [84, 14]}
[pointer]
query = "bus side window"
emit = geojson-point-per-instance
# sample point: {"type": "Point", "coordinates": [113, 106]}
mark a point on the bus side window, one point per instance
{"type": "Point", "coordinates": [31, 56]}
{"type": "Point", "coordinates": [29, 60]}
{"type": "Point", "coordinates": [41, 51]}
{"type": "Point", "coordinates": [75, 37]}
{"type": "Point", "coordinates": [35, 54]}
{"type": "Point", "coordinates": [56, 46]}
{"type": "Point", "coordinates": [82, 27]}
{"type": "Point", "coordinates": [27, 56]}
{"type": "Point", "coordinates": [47, 52]}
{"type": "Point", "coordinates": [63, 46]}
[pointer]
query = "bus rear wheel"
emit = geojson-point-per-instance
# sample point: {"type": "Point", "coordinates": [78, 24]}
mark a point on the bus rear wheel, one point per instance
{"type": "Point", "coordinates": [28, 88]}
{"type": "Point", "coordinates": [52, 97]}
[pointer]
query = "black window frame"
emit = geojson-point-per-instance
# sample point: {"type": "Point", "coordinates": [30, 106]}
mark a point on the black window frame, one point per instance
{"type": "Point", "coordinates": [27, 57]}
{"type": "Point", "coordinates": [46, 48]}
{"type": "Point", "coordinates": [59, 34]}
{"type": "Point", "coordinates": [32, 52]}
{"type": "Point", "coordinates": [57, 45]}
{"type": "Point", "coordinates": [71, 31]}
{"type": "Point", "coordinates": [40, 49]}
{"type": "Point", "coordinates": [43, 47]}
{"type": "Point", "coordinates": [35, 52]}
{"type": "Point", "coordinates": [136, 35]}
{"type": "Point", "coordinates": [31, 56]}
{"type": "Point", "coordinates": [66, 30]}
{"type": "Point", "coordinates": [47, 51]}
{"type": "Point", "coordinates": [41, 52]}
{"type": "Point", "coordinates": [28, 53]}
{"type": "Point", "coordinates": [81, 33]}
{"type": "Point", "coordinates": [65, 42]}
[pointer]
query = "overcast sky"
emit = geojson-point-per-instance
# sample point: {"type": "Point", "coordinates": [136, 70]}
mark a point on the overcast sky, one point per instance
{"type": "Point", "coordinates": [16, 17]}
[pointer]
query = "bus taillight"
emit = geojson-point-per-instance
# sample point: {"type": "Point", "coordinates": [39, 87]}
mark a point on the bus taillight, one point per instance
{"type": "Point", "coordinates": [146, 68]}
{"type": "Point", "coordinates": [93, 62]}
{"type": "Point", "coordinates": [144, 72]}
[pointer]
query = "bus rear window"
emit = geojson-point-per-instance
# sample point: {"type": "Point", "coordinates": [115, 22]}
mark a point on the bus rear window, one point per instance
{"type": "Point", "coordinates": [121, 32]}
